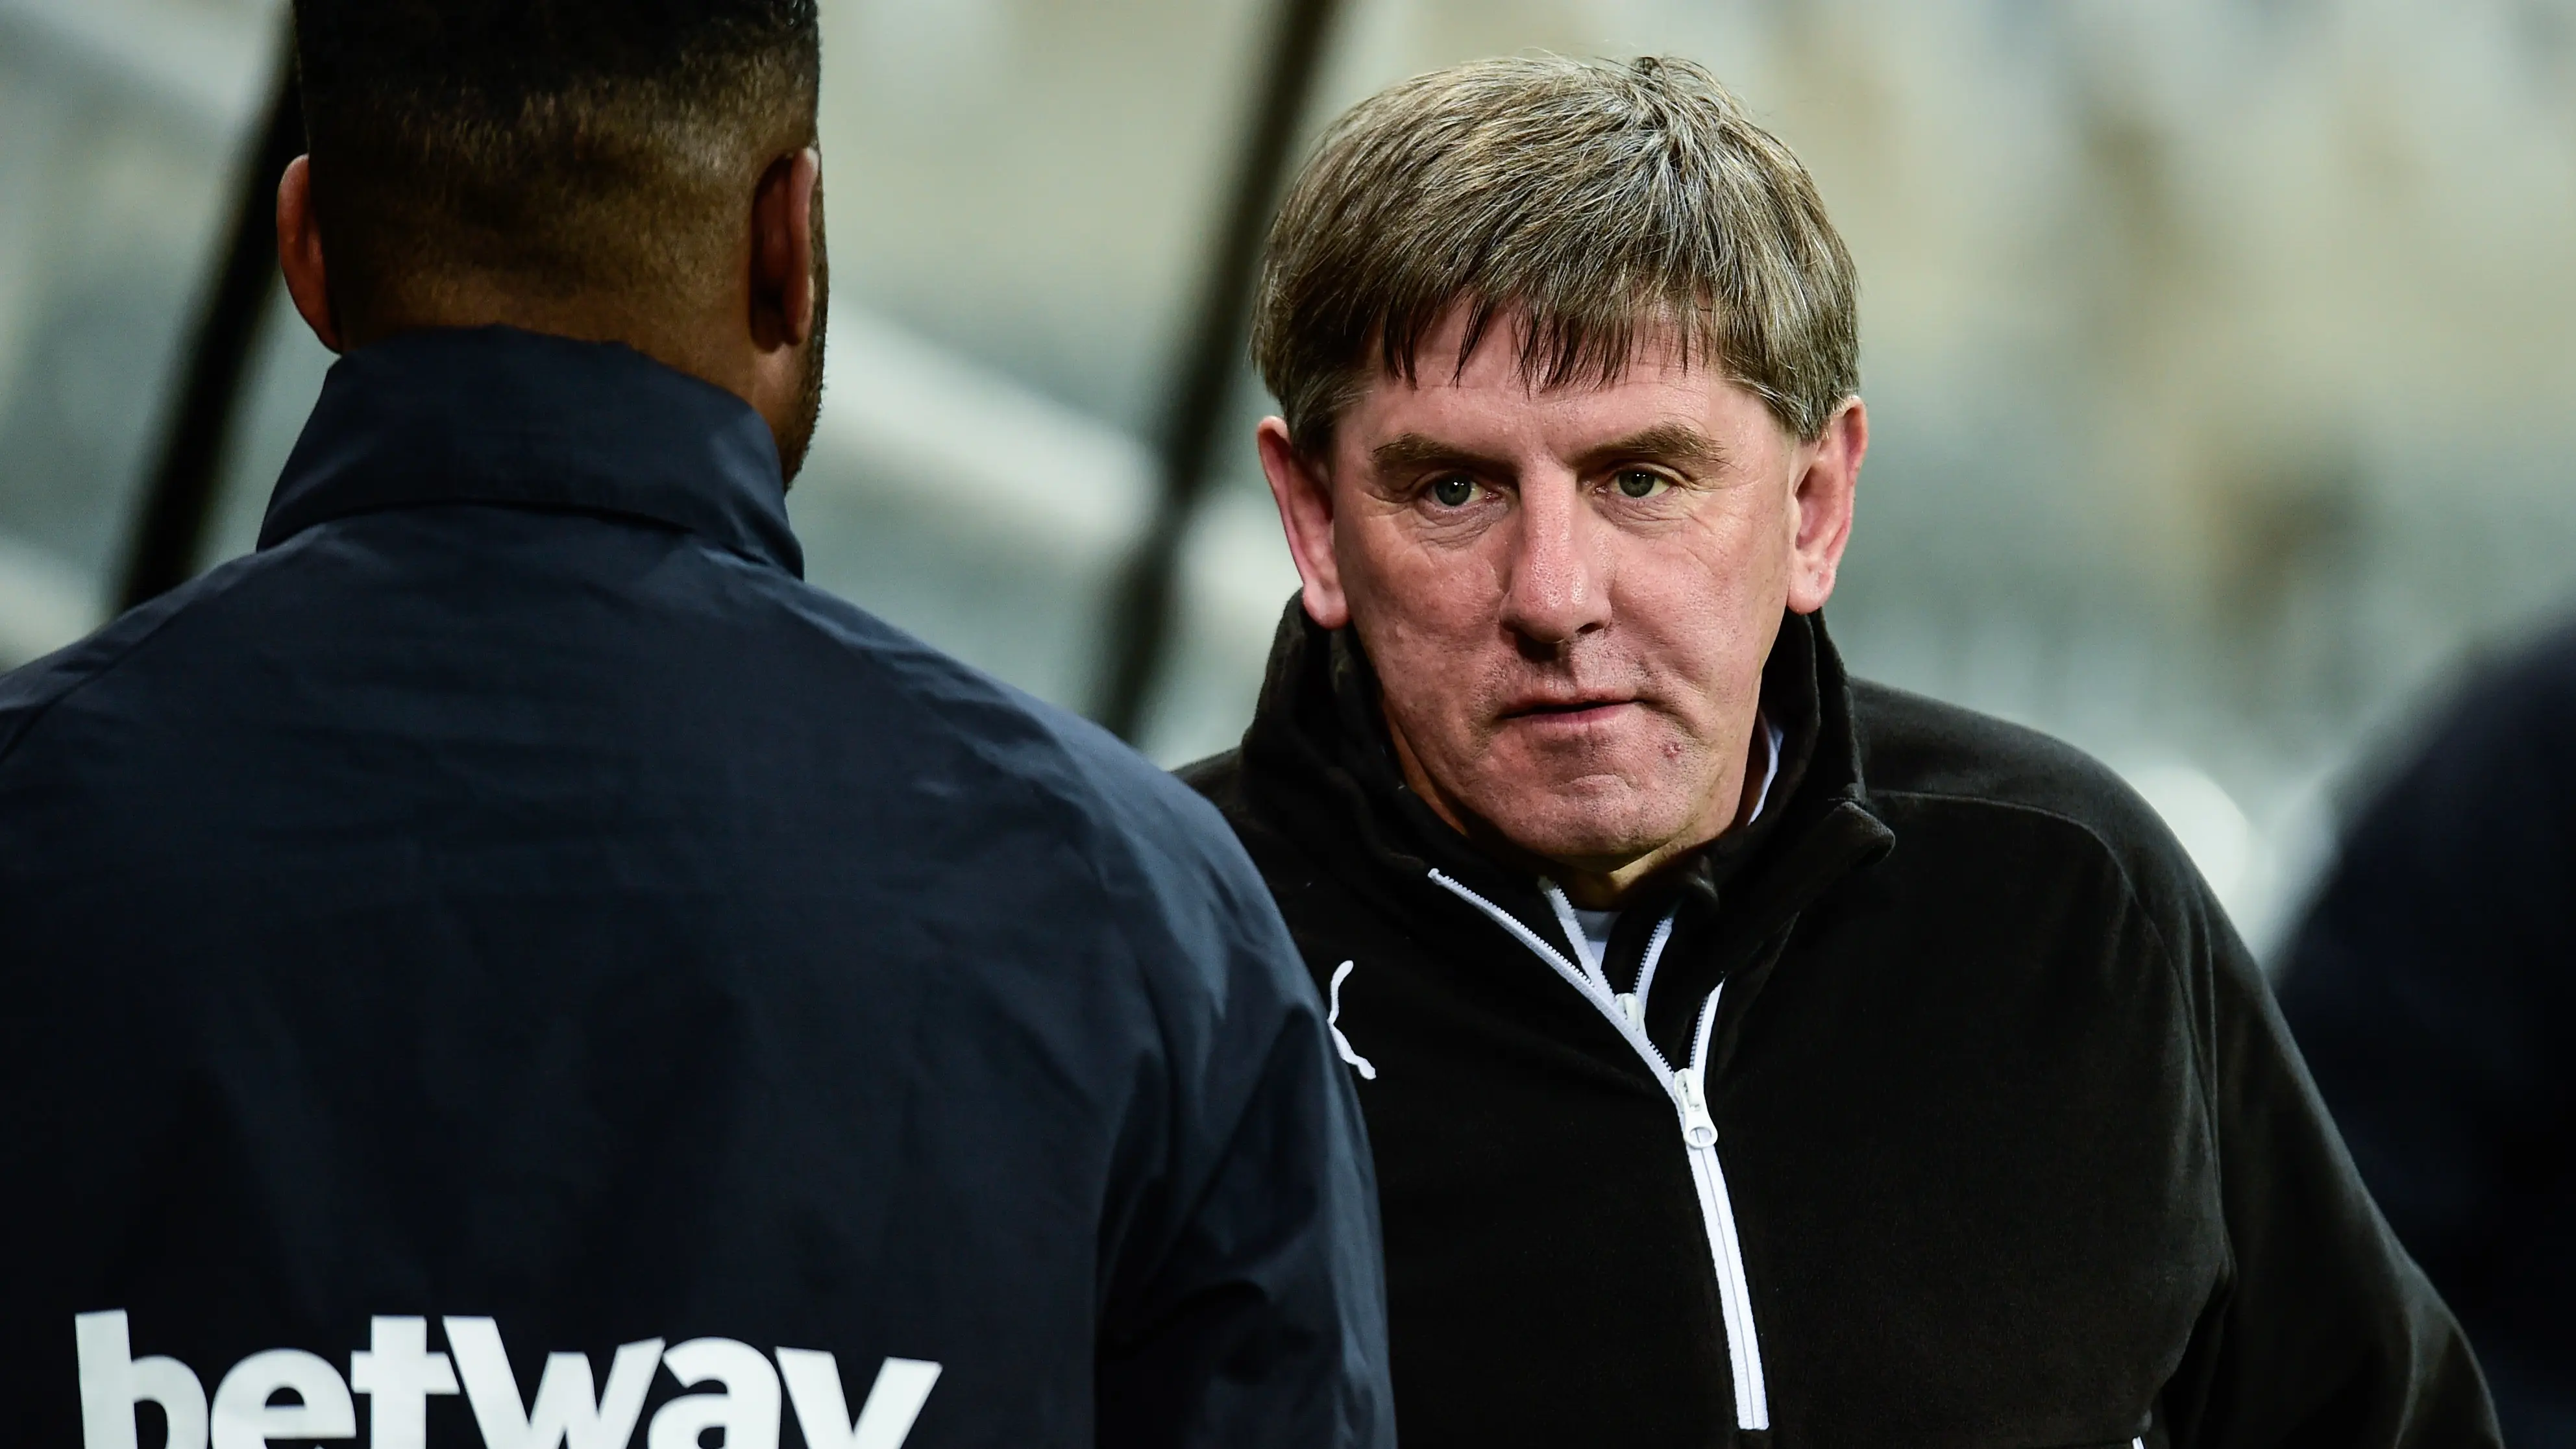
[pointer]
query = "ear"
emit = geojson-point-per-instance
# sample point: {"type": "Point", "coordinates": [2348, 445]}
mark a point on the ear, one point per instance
{"type": "Point", "coordinates": [1304, 493]}
{"type": "Point", "coordinates": [783, 260]}
{"type": "Point", "coordinates": [1822, 503]}
{"type": "Point", "coordinates": [299, 252]}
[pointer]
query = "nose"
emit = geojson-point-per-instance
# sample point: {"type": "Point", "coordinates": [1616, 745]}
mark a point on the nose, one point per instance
{"type": "Point", "coordinates": [1558, 589]}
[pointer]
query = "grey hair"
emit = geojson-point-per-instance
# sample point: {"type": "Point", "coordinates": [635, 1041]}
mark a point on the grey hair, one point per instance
{"type": "Point", "coordinates": [1590, 203]}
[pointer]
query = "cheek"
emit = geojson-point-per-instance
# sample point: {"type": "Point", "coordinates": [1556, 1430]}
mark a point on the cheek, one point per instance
{"type": "Point", "coordinates": [1705, 613]}
{"type": "Point", "coordinates": [1742, 556]}
{"type": "Point", "coordinates": [1405, 593]}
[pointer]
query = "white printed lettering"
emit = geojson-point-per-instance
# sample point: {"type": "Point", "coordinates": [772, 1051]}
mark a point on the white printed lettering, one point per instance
{"type": "Point", "coordinates": [822, 1410]}
{"type": "Point", "coordinates": [113, 1381]}
{"type": "Point", "coordinates": [245, 1419]}
{"type": "Point", "coordinates": [747, 1410]}
{"type": "Point", "coordinates": [564, 1413]}
{"type": "Point", "coordinates": [397, 1373]}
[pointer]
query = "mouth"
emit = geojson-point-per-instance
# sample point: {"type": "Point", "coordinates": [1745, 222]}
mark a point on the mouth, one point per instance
{"type": "Point", "coordinates": [1581, 710]}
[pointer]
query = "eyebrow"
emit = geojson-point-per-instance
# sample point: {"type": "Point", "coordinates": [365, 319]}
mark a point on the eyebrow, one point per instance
{"type": "Point", "coordinates": [1677, 445]}
{"type": "Point", "coordinates": [1408, 452]}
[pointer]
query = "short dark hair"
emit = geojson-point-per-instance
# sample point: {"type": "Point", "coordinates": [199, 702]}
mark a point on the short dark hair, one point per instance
{"type": "Point", "coordinates": [566, 145]}
{"type": "Point", "coordinates": [1586, 200]}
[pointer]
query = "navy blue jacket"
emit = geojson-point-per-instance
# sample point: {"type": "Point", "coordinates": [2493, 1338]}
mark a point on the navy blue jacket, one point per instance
{"type": "Point", "coordinates": [2433, 989]}
{"type": "Point", "coordinates": [509, 963]}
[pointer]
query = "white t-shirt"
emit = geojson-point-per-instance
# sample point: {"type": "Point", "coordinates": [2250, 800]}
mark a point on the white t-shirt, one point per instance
{"type": "Point", "coordinates": [1596, 930]}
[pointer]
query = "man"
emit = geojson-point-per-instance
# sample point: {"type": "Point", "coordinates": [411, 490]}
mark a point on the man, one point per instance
{"type": "Point", "coordinates": [511, 956]}
{"type": "Point", "coordinates": [2433, 988]}
{"type": "Point", "coordinates": [1751, 1056]}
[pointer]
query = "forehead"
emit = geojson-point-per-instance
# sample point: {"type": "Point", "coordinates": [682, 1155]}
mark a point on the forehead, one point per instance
{"type": "Point", "coordinates": [1493, 401]}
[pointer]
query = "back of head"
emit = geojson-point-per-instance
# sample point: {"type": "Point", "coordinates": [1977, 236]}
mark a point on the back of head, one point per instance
{"type": "Point", "coordinates": [1587, 201]}
{"type": "Point", "coordinates": [555, 148]}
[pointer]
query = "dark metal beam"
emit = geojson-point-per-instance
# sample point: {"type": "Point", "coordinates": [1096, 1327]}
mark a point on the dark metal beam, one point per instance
{"type": "Point", "coordinates": [1140, 614]}
{"type": "Point", "coordinates": [170, 528]}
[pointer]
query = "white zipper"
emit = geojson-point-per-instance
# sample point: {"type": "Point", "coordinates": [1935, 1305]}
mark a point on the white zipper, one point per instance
{"type": "Point", "coordinates": [1717, 1213]}
{"type": "Point", "coordinates": [1688, 1087]}
{"type": "Point", "coordinates": [1583, 953]}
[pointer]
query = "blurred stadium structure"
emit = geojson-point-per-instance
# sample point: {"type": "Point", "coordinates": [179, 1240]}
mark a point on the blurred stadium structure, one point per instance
{"type": "Point", "coordinates": [2222, 352]}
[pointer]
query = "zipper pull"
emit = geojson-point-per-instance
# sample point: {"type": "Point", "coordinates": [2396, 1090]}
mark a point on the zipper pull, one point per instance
{"type": "Point", "coordinates": [1698, 1128]}
{"type": "Point", "coordinates": [1628, 1006]}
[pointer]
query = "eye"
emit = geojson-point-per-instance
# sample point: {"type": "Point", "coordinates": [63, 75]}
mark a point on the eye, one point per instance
{"type": "Point", "coordinates": [1454, 491]}
{"type": "Point", "coordinates": [1640, 483]}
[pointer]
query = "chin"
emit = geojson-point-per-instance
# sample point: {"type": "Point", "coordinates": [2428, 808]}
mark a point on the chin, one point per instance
{"type": "Point", "coordinates": [1573, 828]}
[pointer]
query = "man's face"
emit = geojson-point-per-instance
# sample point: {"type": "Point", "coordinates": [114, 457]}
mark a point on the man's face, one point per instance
{"type": "Point", "coordinates": [1569, 594]}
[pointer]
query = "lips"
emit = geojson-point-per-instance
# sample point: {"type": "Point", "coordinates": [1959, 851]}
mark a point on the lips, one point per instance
{"type": "Point", "coordinates": [1572, 711]}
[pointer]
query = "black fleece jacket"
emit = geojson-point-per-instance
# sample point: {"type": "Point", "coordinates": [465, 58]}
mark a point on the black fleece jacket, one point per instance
{"type": "Point", "coordinates": [1954, 1114]}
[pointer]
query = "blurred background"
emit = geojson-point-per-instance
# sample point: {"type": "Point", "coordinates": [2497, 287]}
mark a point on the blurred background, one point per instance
{"type": "Point", "coordinates": [2220, 351]}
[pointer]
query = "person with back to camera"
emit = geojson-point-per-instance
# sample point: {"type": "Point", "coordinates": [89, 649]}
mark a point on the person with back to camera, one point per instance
{"type": "Point", "coordinates": [1752, 1056]}
{"type": "Point", "coordinates": [508, 963]}
{"type": "Point", "coordinates": [2432, 987]}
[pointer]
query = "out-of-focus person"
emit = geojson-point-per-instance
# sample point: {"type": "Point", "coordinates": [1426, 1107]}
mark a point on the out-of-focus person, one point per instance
{"type": "Point", "coordinates": [1753, 1055]}
{"type": "Point", "coordinates": [2432, 988]}
{"type": "Point", "coordinates": [511, 956]}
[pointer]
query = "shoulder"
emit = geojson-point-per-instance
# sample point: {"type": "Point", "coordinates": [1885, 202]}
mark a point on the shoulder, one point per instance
{"type": "Point", "coordinates": [2057, 845]}
{"type": "Point", "coordinates": [1218, 779]}
{"type": "Point", "coordinates": [1153, 840]}
{"type": "Point", "coordinates": [1274, 845]}
{"type": "Point", "coordinates": [2499, 741]}
{"type": "Point", "coordinates": [31, 694]}
{"type": "Point", "coordinates": [1937, 761]}
{"type": "Point", "coordinates": [2537, 679]}
{"type": "Point", "coordinates": [2454, 862]}
{"type": "Point", "coordinates": [1015, 733]}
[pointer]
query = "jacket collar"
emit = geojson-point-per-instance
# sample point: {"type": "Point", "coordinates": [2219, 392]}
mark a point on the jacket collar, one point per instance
{"type": "Point", "coordinates": [496, 415]}
{"type": "Point", "coordinates": [1317, 762]}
